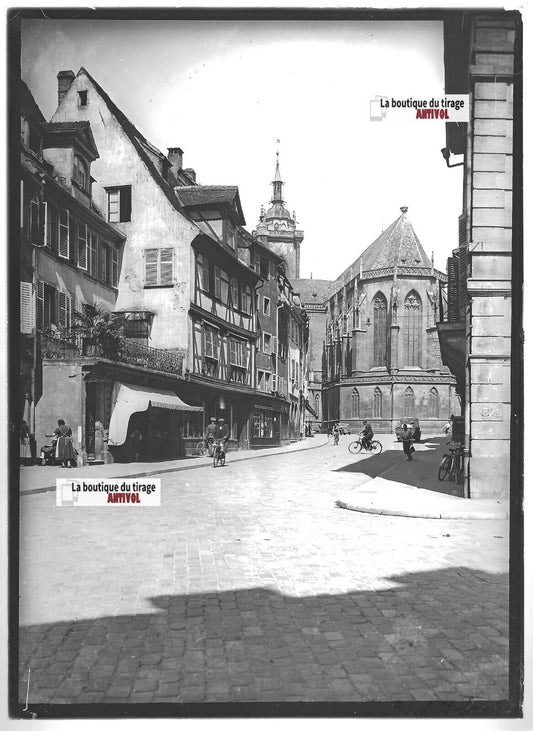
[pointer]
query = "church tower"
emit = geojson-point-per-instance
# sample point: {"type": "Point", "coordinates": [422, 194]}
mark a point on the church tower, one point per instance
{"type": "Point", "coordinates": [277, 228]}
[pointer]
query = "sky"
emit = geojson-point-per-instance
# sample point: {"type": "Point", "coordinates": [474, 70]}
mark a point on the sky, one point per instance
{"type": "Point", "coordinates": [226, 91]}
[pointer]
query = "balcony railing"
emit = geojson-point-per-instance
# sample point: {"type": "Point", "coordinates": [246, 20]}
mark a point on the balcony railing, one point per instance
{"type": "Point", "coordinates": [65, 344]}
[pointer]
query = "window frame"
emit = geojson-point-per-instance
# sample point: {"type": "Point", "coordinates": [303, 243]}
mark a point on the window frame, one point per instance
{"type": "Point", "coordinates": [159, 284]}
{"type": "Point", "coordinates": [123, 201]}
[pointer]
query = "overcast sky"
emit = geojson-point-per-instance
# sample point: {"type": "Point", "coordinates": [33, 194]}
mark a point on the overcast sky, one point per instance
{"type": "Point", "coordinates": [226, 91]}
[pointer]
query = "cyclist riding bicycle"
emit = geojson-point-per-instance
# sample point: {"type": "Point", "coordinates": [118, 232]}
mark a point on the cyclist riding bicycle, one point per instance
{"type": "Point", "coordinates": [367, 434]}
{"type": "Point", "coordinates": [222, 433]}
{"type": "Point", "coordinates": [209, 436]}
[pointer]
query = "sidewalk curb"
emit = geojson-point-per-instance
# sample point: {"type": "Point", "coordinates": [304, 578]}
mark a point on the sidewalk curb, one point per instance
{"type": "Point", "coordinates": [37, 490]}
{"type": "Point", "coordinates": [434, 516]}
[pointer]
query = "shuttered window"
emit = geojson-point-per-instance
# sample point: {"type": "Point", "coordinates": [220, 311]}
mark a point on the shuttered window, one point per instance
{"type": "Point", "coordinates": [158, 267]}
{"type": "Point", "coordinates": [51, 226]}
{"type": "Point", "coordinates": [27, 309]}
{"type": "Point", "coordinates": [64, 309]}
{"type": "Point", "coordinates": [82, 246]}
{"type": "Point", "coordinates": [202, 272]}
{"type": "Point", "coordinates": [64, 241]}
{"type": "Point", "coordinates": [119, 204]}
{"type": "Point", "coordinates": [40, 304]}
{"type": "Point", "coordinates": [114, 268]}
{"type": "Point", "coordinates": [35, 219]}
{"type": "Point", "coordinates": [93, 255]}
{"type": "Point", "coordinates": [246, 299]}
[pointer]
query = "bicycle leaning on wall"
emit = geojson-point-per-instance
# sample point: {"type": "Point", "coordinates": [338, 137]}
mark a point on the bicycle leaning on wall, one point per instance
{"type": "Point", "coordinates": [452, 465]}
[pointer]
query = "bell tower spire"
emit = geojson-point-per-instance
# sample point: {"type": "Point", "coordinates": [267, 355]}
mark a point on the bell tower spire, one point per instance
{"type": "Point", "coordinates": [277, 184]}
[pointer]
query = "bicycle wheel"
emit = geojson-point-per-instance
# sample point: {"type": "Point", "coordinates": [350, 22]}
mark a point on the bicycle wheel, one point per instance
{"type": "Point", "coordinates": [354, 447]}
{"type": "Point", "coordinates": [376, 447]}
{"type": "Point", "coordinates": [201, 449]}
{"type": "Point", "coordinates": [444, 467]}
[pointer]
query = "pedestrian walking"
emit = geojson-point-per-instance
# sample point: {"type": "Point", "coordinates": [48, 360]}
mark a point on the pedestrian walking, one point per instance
{"type": "Point", "coordinates": [136, 440]}
{"type": "Point", "coordinates": [65, 451]}
{"type": "Point", "coordinates": [25, 450]}
{"type": "Point", "coordinates": [407, 439]}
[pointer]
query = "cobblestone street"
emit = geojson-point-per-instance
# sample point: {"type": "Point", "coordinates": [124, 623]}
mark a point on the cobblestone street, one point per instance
{"type": "Point", "coordinates": [249, 584]}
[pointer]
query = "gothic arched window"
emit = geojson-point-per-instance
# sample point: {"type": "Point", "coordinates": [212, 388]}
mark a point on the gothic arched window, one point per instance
{"type": "Point", "coordinates": [380, 330]}
{"type": "Point", "coordinates": [412, 327]}
{"type": "Point", "coordinates": [409, 402]}
{"type": "Point", "coordinates": [355, 403]}
{"type": "Point", "coordinates": [433, 404]}
{"type": "Point", "coordinates": [378, 403]}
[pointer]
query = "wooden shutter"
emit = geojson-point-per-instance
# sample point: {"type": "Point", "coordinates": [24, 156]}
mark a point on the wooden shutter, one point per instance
{"type": "Point", "coordinates": [43, 225]}
{"type": "Point", "coordinates": [114, 268]}
{"type": "Point", "coordinates": [150, 267]}
{"type": "Point", "coordinates": [166, 267]}
{"type": "Point", "coordinates": [40, 304]}
{"type": "Point", "coordinates": [64, 228]}
{"type": "Point", "coordinates": [274, 382]}
{"type": "Point", "coordinates": [274, 343]}
{"type": "Point", "coordinates": [21, 204]}
{"type": "Point", "coordinates": [82, 246]}
{"type": "Point", "coordinates": [27, 308]}
{"type": "Point", "coordinates": [453, 289]}
{"type": "Point", "coordinates": [61, 309]}
{"type": "Point", "coordinates": [125, 203]}
{"type": "Point", "coordinates": [93, 255]}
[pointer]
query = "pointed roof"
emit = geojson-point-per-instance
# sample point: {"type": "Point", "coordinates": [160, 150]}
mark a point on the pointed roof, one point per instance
{"type": "Point", "coordinates": [212, 196]}
{"type": "Point", "coordinates": [398, 246]}
{"type": "Point", "coordinates": [59, 134]}
{"type": "Point", "coordinates": [138, 140]}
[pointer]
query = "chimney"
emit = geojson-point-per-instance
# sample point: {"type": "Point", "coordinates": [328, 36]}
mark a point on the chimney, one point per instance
{"type": "Point", "coordinates": [191, 173]}
{"type": "Point", "coordinates": [175, 156]}
{"type": "Point", "coordinates": [64, 81]}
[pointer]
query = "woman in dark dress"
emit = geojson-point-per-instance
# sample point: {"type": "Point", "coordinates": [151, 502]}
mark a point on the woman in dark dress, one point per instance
{"type": "Point", "coordinates": [65, 451]}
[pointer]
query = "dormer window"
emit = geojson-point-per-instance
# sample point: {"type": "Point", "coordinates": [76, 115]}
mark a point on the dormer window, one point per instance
{"type": "Point", "coordinates": [82, 98]}
{"type": "Point", "coordinates": [81, 175]}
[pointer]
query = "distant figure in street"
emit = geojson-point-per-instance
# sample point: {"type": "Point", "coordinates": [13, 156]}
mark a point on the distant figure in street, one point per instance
{"type": "Point", "coordinates": [336, 433]}
{"type": "Point", "coordinates": [222, 433]}
{"type": "Point", "coordinates": [65, 451]}
{"type": "Point", "coordinates": [25, 451]}
{"type": "Point", "coordinates": [209, 437]}
{"type": "Point", "coordinates": [407, 439]}
{"type": "Point", "coordinates": [367, 434]}
{"type": "Point", "coordinates": [136, 441]}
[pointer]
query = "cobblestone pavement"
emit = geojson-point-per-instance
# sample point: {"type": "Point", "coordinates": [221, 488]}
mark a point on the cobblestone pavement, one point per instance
{"type": "Point", "coordinates": [248, 584]}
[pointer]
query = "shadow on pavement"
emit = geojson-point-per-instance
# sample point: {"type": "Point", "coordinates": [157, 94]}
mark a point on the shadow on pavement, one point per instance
{"type": "Point", "coordinates": [421, 472]}
{"type": "Point", "coordinates": [438, 635]}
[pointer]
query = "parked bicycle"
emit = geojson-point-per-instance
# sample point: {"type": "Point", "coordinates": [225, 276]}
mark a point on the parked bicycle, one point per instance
{"type": "Point", "coordinates": [355, 447]}
{"type": "Point", "coordinates": [204, 449]}
{"type": "Point", "coordinates": [452, 464]}
{"type": "Point", "coordinates": [219, 456]}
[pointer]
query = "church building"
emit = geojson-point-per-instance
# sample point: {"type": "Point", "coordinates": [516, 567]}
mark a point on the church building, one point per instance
{"type": "Point", "coordinates": [382, 355]}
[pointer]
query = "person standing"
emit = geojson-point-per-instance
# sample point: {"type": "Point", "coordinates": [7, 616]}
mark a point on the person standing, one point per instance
{"type": "Point", "coordinates": [336, 433]}
{"type": "Point", "coordinates": [65, 451]}
{"type": "Point", "coordinates": [407, 439]}
{"type": "Point", "coordinates": [25, 450]}
{"type": "Point", "coordinates": [136, 441]}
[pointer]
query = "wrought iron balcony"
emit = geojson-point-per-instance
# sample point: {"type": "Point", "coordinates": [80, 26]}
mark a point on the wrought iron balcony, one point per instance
{"type": "Point", "coordinates": [64, 344]}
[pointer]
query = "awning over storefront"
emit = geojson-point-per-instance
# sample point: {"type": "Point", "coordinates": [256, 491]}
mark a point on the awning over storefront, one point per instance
{"type": "Point", "coordinates": [130, 399]}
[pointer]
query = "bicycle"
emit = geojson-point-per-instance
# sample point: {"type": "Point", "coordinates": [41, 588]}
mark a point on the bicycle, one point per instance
{"type": "Point", "coordinates": [452, 465]}
{"type": "Point", "coordinates": [355, 447]}
{"type": "Point", "coordinates": [219, 456]}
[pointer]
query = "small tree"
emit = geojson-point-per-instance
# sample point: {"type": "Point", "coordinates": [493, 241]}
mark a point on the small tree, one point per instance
{"type": "Point", "coordinates": [100, 330]}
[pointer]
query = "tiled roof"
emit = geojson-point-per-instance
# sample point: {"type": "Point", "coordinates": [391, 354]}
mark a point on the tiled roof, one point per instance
{"type": "Point", "coordinates": [314, 291]}
{"type": "Point", "coordinates": [65, 126]}
{"type": "Point", "coordinates": [136, 139]}
{"type": "Point", "coordinates": [196, 195]}
{"type": "Point", "coordinates": [28, 104]}
{"type": "Point", "coordinates": [398, 245]}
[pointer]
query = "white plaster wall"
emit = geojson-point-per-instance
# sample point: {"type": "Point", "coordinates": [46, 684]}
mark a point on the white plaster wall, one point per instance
{"type": "Point", "coordinates": [154, 221]}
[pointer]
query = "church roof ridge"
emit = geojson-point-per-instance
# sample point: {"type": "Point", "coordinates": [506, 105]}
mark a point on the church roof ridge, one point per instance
{"type": "Point", "coordinates": [398, 245]}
